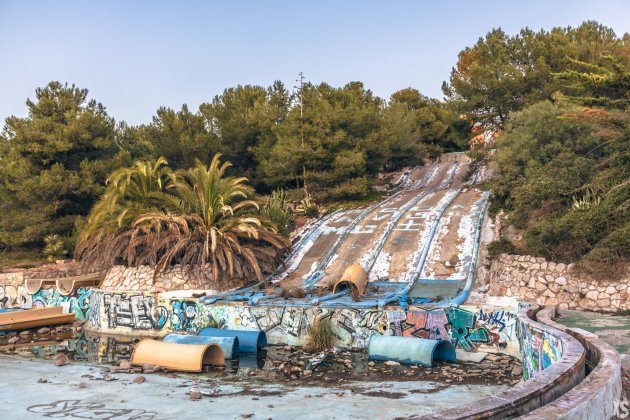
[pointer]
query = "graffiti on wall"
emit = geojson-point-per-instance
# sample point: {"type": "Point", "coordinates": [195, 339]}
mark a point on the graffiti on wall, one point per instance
{"type": "Point", "coordinates": [539, 349]}
{"type": "Point", "coordinates": [467, 329]}
{"type": "Point", "coordinates": [133, 310]}
{"type": "Point", "coordinates": [143, 312]}
{"type": "Point", "coordinates": [184, 315]}
{"type": "Point", "coordinates": [18, 297]}
{"type": "Point", "coordinates": [15, 297]}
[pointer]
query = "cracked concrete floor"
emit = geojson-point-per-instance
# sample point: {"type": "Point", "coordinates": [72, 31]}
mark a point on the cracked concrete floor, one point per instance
{"type": "Point", "coordinates": [37, 388]}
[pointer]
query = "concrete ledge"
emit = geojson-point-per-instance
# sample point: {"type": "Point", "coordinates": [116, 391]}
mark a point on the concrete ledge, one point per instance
{"type": "Point", "coordinates": [597, 395]}
{"type": "Point", "coordinates": [529, 395]}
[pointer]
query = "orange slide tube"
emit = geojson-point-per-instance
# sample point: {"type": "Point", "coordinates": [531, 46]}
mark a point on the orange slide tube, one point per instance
{"type": "Point", "coordinates": [354, 278]}
{"type": "Point", "coordinates": [66, 285]}
{"type": "Point", "coordinates": [21, 320]}
{"type": "Point", "coordinates": [174, 356]}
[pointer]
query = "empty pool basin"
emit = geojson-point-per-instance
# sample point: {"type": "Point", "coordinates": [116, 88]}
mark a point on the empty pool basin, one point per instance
{"type": "Point", "coordinates": [410, 350]}
{"type": "Point", "coordinates": [229, 345]}
{"type": "Point", "coordinates": [248, 341]}
{"type": "Point", "coordinates": [174, 356]}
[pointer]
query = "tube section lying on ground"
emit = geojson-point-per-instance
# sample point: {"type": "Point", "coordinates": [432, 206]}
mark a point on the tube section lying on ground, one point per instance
{"type": "Point", "coordinates": [174, 356]}
{"type": "Point", "coordinates": [21, 320]}
{"type": "Point", "coordinates": [249, 341]}
{"type": "Point", "coordinates": [355, 279]}
{"type": "Point", "coordinates": [229, 345]}
{"type": "Point", "coordinates": [410, 350]}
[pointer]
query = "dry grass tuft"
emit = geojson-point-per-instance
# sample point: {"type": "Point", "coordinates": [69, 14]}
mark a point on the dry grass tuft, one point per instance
{"type": "Point", "coordinates": [320, 336]}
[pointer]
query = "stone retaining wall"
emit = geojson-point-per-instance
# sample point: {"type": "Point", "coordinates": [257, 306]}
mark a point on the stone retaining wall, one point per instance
{"type": "Point", "coordinates": [537, 280]}
{"type": "Point", "coordinates": [12, 279]}
{"type": "Point", "coordinates": [140, 279]}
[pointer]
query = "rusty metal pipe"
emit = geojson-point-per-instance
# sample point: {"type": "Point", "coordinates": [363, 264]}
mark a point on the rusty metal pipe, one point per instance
{"type": "Point", "coordinates": [355, 279]}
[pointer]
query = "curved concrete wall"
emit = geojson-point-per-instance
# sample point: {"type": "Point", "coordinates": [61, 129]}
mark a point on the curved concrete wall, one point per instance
{"type": "Point", "coordinates": [544, 387]}
{"type": "Point", "coordinates": [596, 397]}
{"type": "Point", "coordinates": [149, 314]}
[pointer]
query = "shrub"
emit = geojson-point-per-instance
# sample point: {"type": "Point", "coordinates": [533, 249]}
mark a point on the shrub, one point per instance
{"type": "Point", "coordinates": [352, 189]}
{"type": "Point", "coordinates": [308, 207]}
{"type": "Point", "coordinates": [501, 246]}
{"type": "Point", "coordinates": [54, 247]}
{"type": "Point", "coordinates": [277, 210]}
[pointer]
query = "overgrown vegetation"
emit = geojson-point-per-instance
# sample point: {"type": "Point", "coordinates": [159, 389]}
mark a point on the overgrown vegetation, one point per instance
{"type": "Point", "coordinates": [54, 248]}
{"type": "Point", "coordinates": [56, 160]}
{"type": "Point", "coordinates": [278, 211]}
{"type": "Point", "coordinates": [563, 158]}
{"type": "Point", "coordinates": [198, 217]}
{"type": "Point", "coordinates": [501, 74]}
{"type": "Point", "coordinates": [500, 246]}
{"type": "Point", "coordinates": [558, 101]}
{"type": "Point", "coordinates": [320, 336]}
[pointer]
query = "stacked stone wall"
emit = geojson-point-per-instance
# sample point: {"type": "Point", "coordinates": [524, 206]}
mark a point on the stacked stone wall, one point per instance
{"type": "Point", "coordinates": [537, 280]}
{"type": "Point", "coordinates": [141, 279]}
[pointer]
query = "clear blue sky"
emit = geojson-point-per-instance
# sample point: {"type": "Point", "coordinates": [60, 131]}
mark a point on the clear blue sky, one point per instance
{"type": "Point", "coordinates": [135, 56]}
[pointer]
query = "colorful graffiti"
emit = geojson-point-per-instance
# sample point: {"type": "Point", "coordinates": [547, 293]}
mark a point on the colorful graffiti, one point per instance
{"type": "Point", "coordinates": [468, 329]}
{"type": "Point", "coordinates": [15, 297]}
{"type": "Point", "coordinates": [539, 349]}
{"type": "Point", "coordinates": [184, 315]}
{"type": "Point", "coordinates": [423, 324]}
{"type": "Point", "coordinates": [18, 297]}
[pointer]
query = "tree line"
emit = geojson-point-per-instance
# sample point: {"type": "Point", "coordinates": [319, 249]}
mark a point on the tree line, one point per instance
{"type": "Point", "coordinates": [560, 100]}
{"type": "Point", "coordinates": [557, 101]}
{"type": "Point", "coordinates": [55, 161]}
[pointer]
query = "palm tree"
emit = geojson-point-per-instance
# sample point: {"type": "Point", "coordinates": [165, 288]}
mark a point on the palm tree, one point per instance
{"type": "Point", "coordinates": [207, 223]}
{"type": "Point", "coordinates": [130, 193]}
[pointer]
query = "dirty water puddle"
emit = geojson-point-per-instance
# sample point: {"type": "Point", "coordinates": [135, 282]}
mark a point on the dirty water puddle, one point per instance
{"type": "Point", "coordinates": [254, 374]}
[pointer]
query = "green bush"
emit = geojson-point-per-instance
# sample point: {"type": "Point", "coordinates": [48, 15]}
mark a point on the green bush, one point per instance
{"type": "Point", "coordinates": [54, 247]}
{"type": "Point", "coordinates": [501, 246]}
{"type": "Point", "coordinates": [352, 189]}
{"type": "Point", "coordinates": [277, 211]}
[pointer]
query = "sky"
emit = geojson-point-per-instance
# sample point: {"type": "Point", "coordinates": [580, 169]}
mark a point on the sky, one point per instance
{"type": "Point", "coordinates": [135, 56]}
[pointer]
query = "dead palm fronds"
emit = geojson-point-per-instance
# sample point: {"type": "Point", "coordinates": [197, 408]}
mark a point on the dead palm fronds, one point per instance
{"type": "Point", "coordinates": [203, 221]}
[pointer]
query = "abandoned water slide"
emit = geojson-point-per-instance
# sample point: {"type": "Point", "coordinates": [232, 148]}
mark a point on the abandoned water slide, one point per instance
{"type": "Point", "coordinates": [405, 231]}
